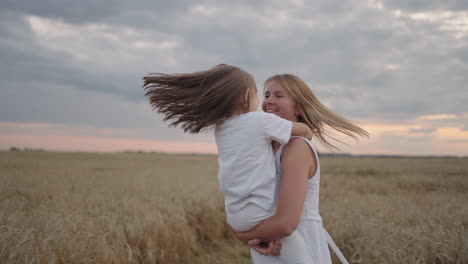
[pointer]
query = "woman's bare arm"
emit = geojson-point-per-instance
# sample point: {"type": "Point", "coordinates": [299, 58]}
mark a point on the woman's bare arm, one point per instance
{"type": "Point", "coordinates": [297, 164]}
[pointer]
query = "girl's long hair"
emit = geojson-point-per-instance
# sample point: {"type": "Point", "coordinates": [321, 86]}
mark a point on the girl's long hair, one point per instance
{"type": "Point", "coordinates": [314, 114]}
{"type": "Point", "coordinates": [201, 99]}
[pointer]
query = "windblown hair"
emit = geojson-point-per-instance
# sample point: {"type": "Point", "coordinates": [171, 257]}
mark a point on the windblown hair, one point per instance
{"type": "Point", "coordinates": [314, 114]}
{"type": "Point", "coordinates": [202, 99]}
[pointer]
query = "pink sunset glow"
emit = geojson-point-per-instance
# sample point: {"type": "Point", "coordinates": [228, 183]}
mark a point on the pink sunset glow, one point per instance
{"type": "Point", "coordinates": [386, 139]}
{"type": "Point", "coordinates": [51, 137]}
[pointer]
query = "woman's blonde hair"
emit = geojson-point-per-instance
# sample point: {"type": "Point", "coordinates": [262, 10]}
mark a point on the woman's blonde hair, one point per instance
{"type": "Point", "coordinates": [314, 114]}
{"type": "Point", "coordinates": [201, 99]}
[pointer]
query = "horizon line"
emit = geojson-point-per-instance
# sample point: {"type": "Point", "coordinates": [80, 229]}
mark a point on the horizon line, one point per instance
{"type": "Point", "coordinates": [324, 154]}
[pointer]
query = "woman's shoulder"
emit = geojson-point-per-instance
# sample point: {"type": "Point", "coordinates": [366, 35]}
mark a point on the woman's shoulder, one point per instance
{"type": "Point", "coordinates": [302, 151]}
{"type": "Point", "coordinates": [299, 146]}
{"type": "Point", "coordinates": [302, 141]}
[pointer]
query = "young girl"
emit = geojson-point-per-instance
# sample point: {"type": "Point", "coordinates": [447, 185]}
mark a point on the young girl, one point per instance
{"type": "Point", "coordinates": [225, 97]}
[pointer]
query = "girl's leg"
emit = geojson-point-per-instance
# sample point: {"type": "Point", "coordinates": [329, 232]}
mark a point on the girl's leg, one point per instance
{"type": "Point", "coordinates": [247, 218]}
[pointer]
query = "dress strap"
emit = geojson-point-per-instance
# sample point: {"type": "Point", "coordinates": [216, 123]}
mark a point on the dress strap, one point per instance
{"type": "Point", "coordinates": [335, 249]}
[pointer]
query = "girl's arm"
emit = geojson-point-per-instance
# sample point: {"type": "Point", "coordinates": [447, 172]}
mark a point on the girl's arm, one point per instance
{"type": "Point", "coordinates": [301, 130]}
{"type": "Point", "coordinates": [298, 163]}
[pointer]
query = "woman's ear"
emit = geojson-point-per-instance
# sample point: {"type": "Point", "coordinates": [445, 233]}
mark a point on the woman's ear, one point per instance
{"type": "Point", "coordinates": [246, 98]}
{"type": "Point", "coordinates": [297, 113]}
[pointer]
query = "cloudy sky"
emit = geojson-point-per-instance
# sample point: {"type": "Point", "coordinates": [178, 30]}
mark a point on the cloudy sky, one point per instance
{"type": "Point", "coordinates": [70, 72]}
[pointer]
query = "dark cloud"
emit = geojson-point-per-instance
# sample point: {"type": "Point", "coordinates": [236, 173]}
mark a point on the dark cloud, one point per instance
{"type": "Point", "coordinates": [24, 58]}
{"type": "Point", "coordinates": [423, 130]}
{"type": "Point", "coordinates": [426, 5]}
{"type": "Point", "coordinates": [461, 54]}
{"type": "Point", "coordinates": [70, 11]}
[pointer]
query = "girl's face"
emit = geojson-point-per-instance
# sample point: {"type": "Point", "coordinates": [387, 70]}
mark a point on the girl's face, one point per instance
{"type": "Point", "coordinates": [278, 101]}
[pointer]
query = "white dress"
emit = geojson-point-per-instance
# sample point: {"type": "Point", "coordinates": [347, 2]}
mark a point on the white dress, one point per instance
{"type": "Point", "coordinates": [310, 226]}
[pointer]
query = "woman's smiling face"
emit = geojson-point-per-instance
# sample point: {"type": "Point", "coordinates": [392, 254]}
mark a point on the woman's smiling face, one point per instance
{"type": "Point", "coordinates": [278, 101]}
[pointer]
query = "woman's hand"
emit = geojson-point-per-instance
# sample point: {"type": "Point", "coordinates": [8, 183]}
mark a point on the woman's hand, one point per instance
{"type": "Point", "coordinates": [272, 248]}
{"type": "Point", "coordinates": [239, 235]}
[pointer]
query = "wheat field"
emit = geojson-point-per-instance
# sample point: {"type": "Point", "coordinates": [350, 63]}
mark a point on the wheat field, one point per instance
{"type": "Point", "coordinates": [160, 208]}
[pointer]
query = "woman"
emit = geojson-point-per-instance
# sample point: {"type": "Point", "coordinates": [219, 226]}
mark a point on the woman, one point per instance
{"type": "Point", "coordinates": [297, 162]}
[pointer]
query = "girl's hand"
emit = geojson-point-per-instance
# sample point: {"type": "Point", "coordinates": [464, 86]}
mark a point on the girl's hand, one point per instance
{"type": "Point", "coordinates": [272, 248]}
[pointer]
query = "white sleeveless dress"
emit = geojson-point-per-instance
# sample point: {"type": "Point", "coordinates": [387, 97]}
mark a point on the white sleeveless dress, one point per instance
{"type": "Point", "coordinates": [310, 226]}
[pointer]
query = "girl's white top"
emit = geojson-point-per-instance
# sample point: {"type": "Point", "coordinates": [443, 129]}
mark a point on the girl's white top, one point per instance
{"type": "Point", "coordinates": [245, 158]}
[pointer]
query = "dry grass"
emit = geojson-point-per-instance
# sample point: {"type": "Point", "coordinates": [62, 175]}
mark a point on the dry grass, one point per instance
{"type": "Point", "coordinates": [155, 208]}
